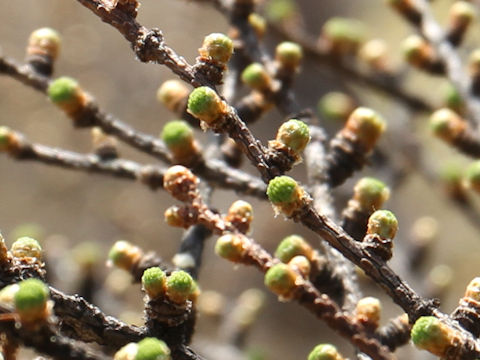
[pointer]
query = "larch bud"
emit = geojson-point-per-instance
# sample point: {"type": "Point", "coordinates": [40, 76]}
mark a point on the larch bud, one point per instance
{"type": "Point", "coordinates": [446, 124]}
{"type": "Point", "coordinates": [216, 47]}
{"type": "Point", "coordinates": [285, 194]}
{"type": "Point", "coordinates": [258, 23]}
{"type": "Point", "coordinates": [366, 125]}
{"type": "Point", "coordinates": [6, 138]}
{"type": "Point", "coordinates": [179, 287]}
{"type": "Point", "coordinates": [31, 300]}
{"type": "Point", "coordinates": [240, 214]}
{"type": "Point", "coordinates": [474, 63]}
{"type": "Point", "coordinates": [44, 41]}
{"type": "Point", "coordinates": [152, 349]}
{"type": "Point", "coordinates": [181, 183]}
{"type": "Point", "coordinates": [66, 93]}
{"type": "Point", "coordinates": [368, 311]}
{"type": "Point", "coordinates": [473, 289]}
{"type": "Point", "coordinates": [255, 76]}
{"type": "Point", "coordinates": [178, 136]}
{"type": "Point", "coordinates": [472, 176]}
{"type": "Point", "coordinates": [291, 246]}
{"type": "Point", "coordinates": [461, 14]}
{"type": "Point", "coordinates": [281, 279]}
{"type": "Point", "coordinates": [7, 294]}
{"type": "Point", "coordinates": [371, 193]}
{"type": "Point", "coordinates": [205, 104]}
{"type": "Point", "coordinates": [343, 35]}
{"type": "Point", "coordinates": [153, 282]}
{"type": "Point", "coordinates": [429, 333]}
{"type": "Point", "coordinates": [173, 94]}
{"type": "Point", "coordinates": [294, 134]}
{"type": "Point", "coordinates": [416, 50]}
{"type": "Point", "coordinates": [26, 247]}
{"type": "Point", "coordinates": [289, 55]}
{"type": "Point", "coordinates": [383, 223]}
{"type": "Point", "coordinates": [336, 105]}
{"type": "Point", "coordinates": [301, 264]}
{"type": "Point", "coordinates": [325, 352]}
{"type": "Point", "coordinates": [281, 10]}
{"type": "Point", "coordinates": [174, 218]}
{"type": "Point", "coordinates": [452, 97]}
{"type": "Point", "coordinates": [375, 53]}
{"type": "Point", "coordinates": [231, 247]}
{"type": "Point", "coordinates": [124, 255]}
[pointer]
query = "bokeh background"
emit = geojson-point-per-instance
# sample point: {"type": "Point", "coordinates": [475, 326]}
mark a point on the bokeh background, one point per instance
{"type": "Point", "coordinates": [64, 208]}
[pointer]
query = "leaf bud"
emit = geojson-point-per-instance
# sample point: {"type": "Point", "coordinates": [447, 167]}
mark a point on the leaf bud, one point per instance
{"type": "Point", "coordinates": [429, 333]}
{"type": "Point", "coordinates": [173, 94]}
{"type": "Point", "coordinates": [31, 300]}
{"type": "Point", "coordinates": [66, 93]}
{"type": "Point", "coordinates": [336, 105]}
{"type": "Point", "coordinates": [124, 255]}
{"type": "Point", "coordinates": [294, 134]}
{"type": "Point", "coordinates": [285, 194]}
{"type": "Point", "coordinates": [301, 264]}
{"type": "Point", "coordinates": [205, 104]}
{"type": "Point", "coordinates": [256, 77]}
{"type": "Point", "coordinates": [178, 136]}
{"type": "Point", "coordinates": [472, 176]}
{"type": "Point", "coordinates": [26, 247]}
{"type": "Point", "coordinates": [368, 311]}
{"type": "Point", "coordinates": [181, 183]}
{"type": "Point", "coordinates": [288, 55]}
{"type": "Point", "coordinates": [291, 246]}
{"type": "Point", "coordinates": [366, 125]}
{"type": "Point", "coordinates": [343, 35]}
{"type": "Point", "coordinates": [44, 41]}
{"type": "Point", "coordinates": [281, 279]}
{"type": "Point", "coordinates": [371, 193]}
{"type": "Point", "coordinates": [383, 223]}
{"type": "Point", "coordinates": [231, 247]}
{"type": "Point", "coordinates": [447, 125]}
{"type": "Point", "coordinates": [153, 282]}
{"type": "Point", "coordinates": [216, 47]}
{"type": "Point", "coordinates": [179, 287]}
{"type": "Point", "coordinates": [240, 214]}
{"type": "Point", "coordinates": [258, 23]}
{"type": "Point", "coordinates": [325, 352]}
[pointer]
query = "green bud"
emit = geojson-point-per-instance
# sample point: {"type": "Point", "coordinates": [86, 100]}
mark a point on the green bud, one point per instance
{"type": "Point", "coordinates": [446, 124]}
{"type": "Point", "coordinates": [205, 104]}
{"type": "Point", "coordinates": [292, 246]}
{"type": "Point", "coordinates": [415, 49]}
{"type": "Point", "coordinates": [180, 286]}
{"type": "Point", "coordinates": [429, 333]}
{"type": "Point", "coordinates": [474, 62]}
{"type": "Point", "coordinates": [217, 47]}
{"type": "Point", "coordinates": [172, 93]}
{"type": "Point", "coordinates": [452, 97]}
{"type": "Point", "coordinates": [280, 10]}
{"type": "Point", "coordinates": [258, 23]}
{"type": "Point", "coordinates": [153, 281]}
{"type": "Point", "coordinates": [230, 247]}
{"type": "Point", "coordinates": [44, 41]}
{"type": "Point", "coordinates": [280, 279]}
{"type": "Point", "coordinates": [383, 223]}
{"type": "Point", "coordinates": [472, 176]}
{"type": "Point", "coordinates": [5, 137]}
{"type": "Point", "coordinates": [336, 105]}
{"type": "Point", "coordinates": [152, 349]}
{"type": "Point", "coordinates": [177, 133]}
{"type": "Point", "coordinates": [255, 76]}
{"type": "Point", "coordinates": [31, 300]}
{"type": "Point", "coordinates": [294, 134]}
{"type": "Point", "coordinates": [289, 54]}
{"type": "Point", "coordinates": [462, 13]}
{"type": "Point", "coordinates": [367, 125]}
{"type": "Point", "coordinates": [371, 193]}
{"type": "Point", "coordinates": [472, 291]}
{"type": "Point", "coordinates": [26, 247]}
{"type": "Point", "coordinates": [124, 255]}
{"type": "Point", "coordinates": [63, 89]}
{"type": "Point", "coordinates": [324, 352]}
{"type": "Point", "coordinates": [282, 189]}
{"type": "Point", "coordinates": [344, 31]}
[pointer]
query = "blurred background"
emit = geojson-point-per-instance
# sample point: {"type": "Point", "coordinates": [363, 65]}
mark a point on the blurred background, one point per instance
{"type": "Point", "coordinates": [65, 208]}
